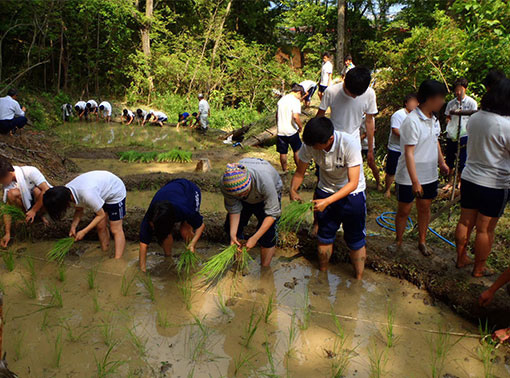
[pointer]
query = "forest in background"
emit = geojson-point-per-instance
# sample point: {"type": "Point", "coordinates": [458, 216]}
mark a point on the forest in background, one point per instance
{"type": "Point", "coordinates": [163, 52]}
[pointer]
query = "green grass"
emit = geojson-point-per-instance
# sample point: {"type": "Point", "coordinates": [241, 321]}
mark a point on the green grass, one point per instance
{"type": "Point", "coordinates": [242, 360]}
{"type": "Point", "coordinates": [127, 282]}
{"type": "Point", "coordinates": [29, 287]}
{"type": "Point", "coordinates": [251, 328]}
{"type": "Point", "coordinates": [187, 263]}
{"type": "Point", "coordinates": [294, 215]}
{"type": "Point", "coordinates": [162, 319]}
{"type": "Point", "coordinates": [486, 350]}
{"type": "Point", "coordinates": [217, 266]}
{"type": "Point", "coordinates": [61, 272]}
{"type": "Point", "coordinates": [340, 356]}
{"type": "Point", "coordinates": [14, 212]}
{"type": "Point", "coordinates": [56, 297]}
{"type": "Point", "coordinates": [200, 340]}
{"type": "Point", "coordinates": [269, 308]}
{"type": "Point", "coordinates": [72, 331]}
{"type": "Point", "coordinates": [8, 257]}
{"type": "Point", "coordinates": [107, 329]}
{"type": "Point", "coordinates": [91, 277]}
{"type": "Point", "coordinates": [95, 302]}
{"type": "Point", "coordinates": [307, 311]}
{"type": "Point", "coordinates": [45, 322]}
{"type": "Point", "coordinates": [106, 366]}
{"type": "Point", "coordinates": [391, 339]}
{"type": "Point", "coordinates": [60, 249]}
{"type": "Point", "coordinates": [18, 345]}
{"type": "Point", "coordinates": [57, 349]}
{"type": "Point", "coordinates": [440, 346]}
{"type": "Point", "coordinates": [186, 289]}
{"type": "Point", "coordinates": [174, 155]}
{"type": "Point", "coordinates": [291, 338]}
{"type": "Point", "coordinates": [146, 280]}
{"type": "Point", "coordinates": [138, 342]}
{"type": "Point", "coordinates": [270, 359]}
{"type": "Point", "coordinates": [220, 301]}
{"type": "Point", "coordinates": [377, 360]}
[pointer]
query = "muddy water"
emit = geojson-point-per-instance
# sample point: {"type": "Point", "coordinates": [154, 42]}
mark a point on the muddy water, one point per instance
{"type": "Point", "coordinates": [170, 341]}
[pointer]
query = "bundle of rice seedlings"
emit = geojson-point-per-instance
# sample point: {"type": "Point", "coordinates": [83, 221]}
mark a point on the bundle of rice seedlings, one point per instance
{"type": "Point", "coordinates": [218, 265]}
{"type": "Point", "coordinates": [175, 155]}
{"type": "Point", "coordinates": [294, 215]}
{"type": "Point", "coordinates": [14, 212]}
{"type": "Point", "coordinates": [148, 157]}
{"type": "Point", "coordinates": [60, 249]}
{"type": "Point", "coordinates": [129, 156]}
{"type": "Point", "coordinates": [187, 263]}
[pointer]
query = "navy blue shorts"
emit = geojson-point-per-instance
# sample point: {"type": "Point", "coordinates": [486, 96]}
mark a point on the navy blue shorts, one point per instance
{"type": "Point", "coordinates": [283, 142]}
{"type": "Point", "coordinates": [162, 119]}
{"type": "Point", "coordinates": [115, 211]}
{"type": "Point", "coordinates": [269, 239]}
{"type": "Point", "coordinates": [451, 152]}
{"type": "Point", "coordinates": [392, 162]}
{"type": "Point", "coordinates": [488, 201]}
{"type": "Point", "coordinates": [311, 91]}
{"type": "Point", "coordinates": [405, 192]}
{"type": "Point", "coordinates": [350, 213]}
{"type": "Point", "coordinates": [322, 88]}
{"type": "Point", "coordinates": [8, 125]}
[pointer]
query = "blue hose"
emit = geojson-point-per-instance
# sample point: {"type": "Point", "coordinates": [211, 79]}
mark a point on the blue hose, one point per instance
{"type": "Point", "coordinates": [387, 220]}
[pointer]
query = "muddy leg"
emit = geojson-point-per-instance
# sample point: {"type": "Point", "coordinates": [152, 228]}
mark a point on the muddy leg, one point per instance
{"type": "Point", "coordinates": [423, 207]}
{"type": "Point", "coordinates": [266, 255]}
{"type": "Point", "coordinates": [118, 237]}
{"type": "Point", "coordinates": [284, 162]}
{"type": "Point", "coordinates": [358, 258]}
{"type": "Point", "coordinates": [462, 233]}
{"type": "Point", "coordinates": [404, 209]}
{"type": "Point", "coordinates": [483, 243]}
{"type": "Point", "coordinates": [325, 252]}
{"type": "Point", "coordinates": [168, 244]}
{"type": "Point", "coordinates": [103, 234]}
{"type": "Point", "coordinates": [389, 179]}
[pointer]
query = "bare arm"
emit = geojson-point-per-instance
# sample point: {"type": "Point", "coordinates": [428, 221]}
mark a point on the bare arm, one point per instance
{"type": "Point", "coordinates": [266, 225]}
{"type": "Point", "coordinates": [370, 127]}
{"type": "Point", "coordinates": [234, 226]}
{"type": "Point", "coordinates": [78, 213]}
{"type": "Point", "coordinates": [320, 113]}
{"type": "Point", "coordinates": [198, 233]}
{"type": "Point", "coordinates": [411, 168]}
{"type": "Point", "coordinates": [395, 131]}
{"type": "Point", "coordinates": [39, 203]}
{"type": "Point", "coordinates": [353, 174]}
{"type": "Point", "coordinates": [100, 216]}
{"type": "Point", "coordinates": [297, 119]}
{"type": "Point", "coordinates": [7, 236]}
{"type": "Point", "coordinates": [297, 180]}
{"type": "Point", "coordinates": [488, 294]}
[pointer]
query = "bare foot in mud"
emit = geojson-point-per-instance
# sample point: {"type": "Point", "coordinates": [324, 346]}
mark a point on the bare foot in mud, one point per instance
{"type": "Point", "coordinates": [395, 248]}
{"type": "Point", "coordinates": [485, 272]}
{"type": "Point", "coordinates": [387, 195]}
{"type": "Point", "coordinates": [464, 261]}
{"type": "Point", "coordinates": [424, 250]}
{"type": "Point", "coordinates": [501, 335]}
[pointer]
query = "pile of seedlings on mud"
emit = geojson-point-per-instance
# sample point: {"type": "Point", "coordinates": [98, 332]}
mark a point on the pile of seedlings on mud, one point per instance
{"type": "Point", "coordinates": [218, 265]}
{"type": "Point", "coordinates": [14, 212]}
{"type": "Point", "coordinates": [294, 215]}
{"type": "Point", "coordinates": [173, 156]}
{"type": "Point", "coordinates": [60, 249]}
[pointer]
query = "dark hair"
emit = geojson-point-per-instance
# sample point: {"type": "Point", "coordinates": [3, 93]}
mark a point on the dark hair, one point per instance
{"type": "Point", "coordinates": [101, 107]}
{"type": "Point", "coordinates": [493, 77]}
{"type": "Point", "coordinates": [194, 114]}
{"type": "Point", "coordinates": [462, 81]}
{"type": "Point", "coordinates": [162, 216]}
{"type": "Point", "coordinates": [295, 87]}
{"type": "Point", "coordinates": [318, 131]}
{"type": "Point", "coordinates": [148, 116]}
{"type": "Point", "coordinates": [408, 97]}
{"type": "Point", "coordinates": [12, 92]}
{"type": "Point", "coordinates": [69, 107]}
{"type": "Point", "coordinates": [89, 105]}
{"type": "Point", "coordinates": [497, 100]}
{"type": "Point", "coordinates": [357, 80]}
{"type": "Point", "coordinates": [181, 115]}
{"type": "Point", "coordinates": [430, 88]}
{"type": "Point", "coordinates": [348, 57]}
{"type": "Point", "coordinates": [56, 201]}
{"type": "Point", "coordinates": [125, 112]}
{"type": "Point", "coordinates": [5, 167]}
{"type": "Point", "coordinates": [77, 108]}
{"type": "Point", "coordinates": [327, 54]}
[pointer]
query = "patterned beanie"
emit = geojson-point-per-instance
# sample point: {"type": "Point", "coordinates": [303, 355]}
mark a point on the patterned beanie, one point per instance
{"type": "Point", "coordinates": [236, 180]}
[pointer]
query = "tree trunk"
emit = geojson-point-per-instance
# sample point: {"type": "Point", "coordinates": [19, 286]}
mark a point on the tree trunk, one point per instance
{"type": "Point", "coordinates": [97, 54]}
{"type": "Point", "coordinates": [218, 40]}
{"type": "Point", "coordinates": [60, 56]}
{"type": "Point", "coordinates": [340, 32]}
{"type": "Point", "coordinates": [146, 41]}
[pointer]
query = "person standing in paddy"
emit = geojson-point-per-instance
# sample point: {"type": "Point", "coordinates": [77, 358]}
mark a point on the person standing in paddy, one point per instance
{"type": "Point", "coordinates": [326, 74]}
{"type": "Point", "coordinates": [253, 187]}
{"type": "Point", "coordinates": [204, 111]}
{"type": "Point", "coordinates": [289, 124]}
{"type": "Point", "coordinates": [104, 194]}
{"type": "Point", "coordinates": [176, 202]}
{"type": "Point", "coordinates": [417, 175]}
{"type": "Point", "coordinates": [92, 108]}
{"type": "Point", "coordinates": [410, 103]}
{"type": "Point", "coordinates": [485, 181]}
{"type": "Point", "coordinates": [106, 111]}
{"type": "Point", "coordinates": [340, 195]}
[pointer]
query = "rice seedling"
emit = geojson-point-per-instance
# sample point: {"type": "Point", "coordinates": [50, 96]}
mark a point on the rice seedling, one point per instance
{"type": "Point", "coordinates": [175, 155]}
{"type": "Point", "coordinates": [340, 356]}
{"type": "Point", "coordinates": [14, 212]}
{"type": "Point", "coordinates": [269, 308]}
{"type": "Point", "coordinates": [138, 342]}
{"type": "Point", "coordinates": [60, 249]}
{"type": "Point", "coordinates": [440, 346]}
{"type": "Point", "coordinates": [218, 265]}
{"type": "Point", "coordinates": [378, 360]}
{"type": "Point", "coordinates": [127, 282]}
{"type": "Point", "coordinates": [486, 350]}
{"type": "Point", "coordinates": [162, 319]}
{"type": "Point", "coordinates": [270, 359]}
{"type": "Point", "coordinates": [28, 288]}
{"type": "Point", "coordinates": [95, 302]}
{"type": "Point", "coordinates": [129, 156]}
{"type": "Point", "coordinates": [61, 272]}
{"type": "Point", "coordinates": [291, 339]}
{"type": "Point", "coordinates": [29, 264]}
{"type": "Point", "coordinates": [91, 277]}
{"type": "Point", "coordinates": [220, 301]}
{"type": "Point", "coordinates": [146, 281]}
{"type": "Point", "coordinates": [294, 215]}
{"type": "Point", "coordinates": [241, 361]}
{"type": "Point", "coordinates": [107, 367]}
{"type": "Point", "coordinates": [106, 329]}
{"type": "Point", "coordinates": [390, 334]}
{"type": "Point", "coordinates": [148, 157]}
{"type": "Point", "coordinates": [187, 263]}
{"type": "Point", "coordinates": [18, 345]}
{"type": "Point", "coordinates": [307, 311]}
{"type": "Point", "coordinates": [8, 257]}
{"type": "Point", "coordinates": [200, 345]}
{"type": "Point", "coordinates": [71, 331]}
{"type": "Point", "coordinates": [45, 323]}
{"type": "Point", "coordinates": [56, 297]}
{"type": "Point", "coordinates": [57, 349]}
{"type": "Point", "coordinates": [186, 289]}
{"type": "Point", "coordinates": [251, 328]}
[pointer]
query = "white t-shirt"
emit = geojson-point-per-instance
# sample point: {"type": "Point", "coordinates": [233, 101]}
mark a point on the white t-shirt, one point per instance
{"type": "Point", "coordinates": [333, 175]}
{"type": "Point", "coordinates": [203, 107]}
{"type": "Point", "coordinates": [347, 112]}
{"type": "Point", "coordinates": [93, 103]}
{"type": "Point", "coordinates": [420, 131]}
{"type": "Point", "coordinates": [107, 111]}
{"type": "Point", "coordinates": [9, 108]}
{"type": "Point", "coordinates": [307, 84]}
{"type": "Point", "coordinates": [94, 189]}
{"type": "Point", "coordinates": [326, 70]}
{"type": "Point", "coordinates": [81, 105]}
{"type": "Point", "coordinates": [452, 128]}
{"type": "Point", "coordinates": [396, 121]}
{"type": "Point", "coordinates": [130, 113]}
{"type": "Point", "coordinates": [488, 150]}
{"type": "Point", "coordinates": [287, 107]}
{"type": "Point", "coordinates": [32, 179]}
{"type": "Point", "coordinates": [159, 115]}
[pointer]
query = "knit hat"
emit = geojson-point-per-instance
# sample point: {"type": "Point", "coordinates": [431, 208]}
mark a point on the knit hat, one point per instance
{"type": "Point", "coordinates": [236, 180]}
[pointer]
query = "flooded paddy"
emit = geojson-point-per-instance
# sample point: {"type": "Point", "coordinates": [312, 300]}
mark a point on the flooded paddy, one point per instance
{"type": "Point", "coordinates": [110, 322]}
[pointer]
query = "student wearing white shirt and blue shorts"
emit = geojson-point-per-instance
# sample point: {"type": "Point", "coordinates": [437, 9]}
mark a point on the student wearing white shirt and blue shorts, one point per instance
{"type": "Point", "coordinates": [92, 108]}
{"type": "Point", "coordinates": [417, 173]}
{"type": "Point", "coordinates": [12, 115]}
{"type": "Point", "coordinates": [106, 111]}
{"type": "Point", "coordinates": [309, 87]}
{"type": "Point", "coordinates": [81, 110]}
{"type": "Point", "coordinates": [326, 74]}
{"type": "Point", "coordinates": [104, 194]}
{"type": "Point", "coordinates": [410, 103]}
{"type": "Point", "coordinates": [340, 195]}
{"type": "Point", "coordinates": [485, 181]}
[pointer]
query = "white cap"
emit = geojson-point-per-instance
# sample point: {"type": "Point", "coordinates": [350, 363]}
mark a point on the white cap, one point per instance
{"type": "Point", "coordinates": [200, 95]}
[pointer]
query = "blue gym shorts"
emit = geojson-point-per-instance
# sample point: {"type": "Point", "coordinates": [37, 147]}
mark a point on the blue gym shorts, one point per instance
{"type": "Point", "coordinates": [392, 162]}
{"type": "Point", "coordinates": [283, 142]}
{"type": "Point", "coordinates": [322, 88]}
{"type": "Point", "coordinates": [350, 213]}
{"type": "Point", "coordinates": [405, 192]}
{"type": "Point", "coordinates": [488, 201]}
{"type": "Point", "coordinates": [115, 211]}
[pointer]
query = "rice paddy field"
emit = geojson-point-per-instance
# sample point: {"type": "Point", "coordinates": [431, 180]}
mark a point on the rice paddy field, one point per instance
{"type": "Point", "coordinates": [93, 316]}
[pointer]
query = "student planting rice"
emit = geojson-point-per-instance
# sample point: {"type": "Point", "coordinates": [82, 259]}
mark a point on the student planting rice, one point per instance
{"type": "Point", "coordinates": [140, 116]}
{"type": "Point", "coordinates": [103, 193]}
{"type": "Point", "coordinates": [24, 188]}
{"type": "Point", "coordinates": [106, 111]}
{"type": "Point", "coordinates": [340, 194]}
{"type": "Point", "coordinates": [252, 187]}
{"type": "Point", "coordinates": [92, 108]}
{"type": "Point", "coordinates": [127, 117]}
{"type": "Point", "coordinates": [155, 117]}
{"type": "Point", "coordinates": [176, 202]}
{"type": "Point", "coordinates": [81, 110]}
{"type": "Point", "coordinates": [67, 112]}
